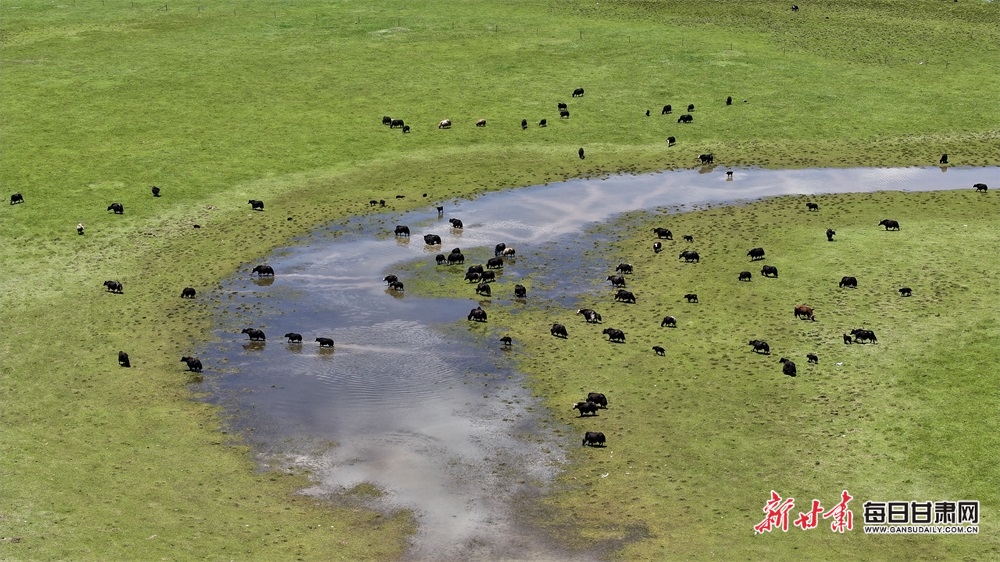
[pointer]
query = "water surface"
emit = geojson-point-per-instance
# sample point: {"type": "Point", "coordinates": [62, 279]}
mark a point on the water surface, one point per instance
{"type": "Point", "coordinates": [409, 400]}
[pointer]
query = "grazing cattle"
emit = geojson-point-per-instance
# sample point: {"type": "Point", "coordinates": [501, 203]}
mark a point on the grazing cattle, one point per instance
{"type": "Point", "coordinates": [598, 398]}
{"type": "Point", "coordinates": [473, 276]}
{"type": "Point", "coordinates": [456, 250]}
{"type": "Point", "coordinates": [795, 7]}
{"type": "Point", "coordinates": [690, 107]}
{"type": "Point", "coordinates": [79, 229]}
{"type": "Point", "coordinates": [481, 123]}
{"type": "Point", "coordinates": [193, 363]}
{"type": "Point", "coordinates": [499, 248]}
{"type": "Point", "coordinates": [812, 358]}
{"type": "Point", "coordinates": [520, 291]}
{"type": "Point", "coordinates": [760, 346]}
{"type": "Point", "coordinates": [506, 341]}
{"type": "Point", "coordinates": [905, 292]}
{"type": "Point", "coordinates": [729, 100]}
{"type": "Point", "coordinates": [647, 113]}
{"type": "Point", "coordinates": [444, 124]}
{"type": "Point", "coordinates": [390, 279]}
{"type": "Point", "coordinates": [564, 114]}
{"type": "Point", "coordinates": [441, 259]}
{"type": "Point", "coordinates": [689, 256]}
{"type": "Point", "coordinates": [625, 296]}
{"type": "Point", "coordinates": [805, 312]}
{"type": "Point", "coordinates": [889, 224]}
{"type": "Point", "coordinates": [524, 124]}
{"type": "Point", "coordinates": [484, 290]}
{"type": "Point", "coordinates": [591, 316]}
{"type": "Point", "coordinates": [671, 141]}
{"type": "Point", "coordinates": [406, 129]}
{"type": "Point", "coordinates": [455, 223]}
{"type": "Point", "coordinates": [616, 280]}
{"type": "Point", "coordinates": [123, 359]}
{"type": "Point", "coordinates": [488, 276]}
{"type": "Point", "coordinates": [402, 230]}
{"type": "Point", "coordinates": [432, 239]}
{"type": "Point", "coordinates": [372, 203]}
{"type": "Point", "coordinates": [659, 350]}
{"type": "Point", "coordinates": [812, 206]}
{"type": "Point", "coordinates": [494, 263]}
{"type": "Point", "coordinates": [769, 271]}
{"type": "Point", "coordinates": [830, 233]}
{"type": "Point", "coordinates": [686, 118]}
{"type": "Point", "coordinates": [666, 110]}
{"type": "Point", "coordinates": [325, 342]}
{"type": "Point", "coordinates": [396, 124]}
{"type": "Point", "coordinates": [454, 258]}
{"type": "Point", "coordinates": [188, 293]}
{"type": "Point", "coordinates": [542, 123]}
{"type": "Point", "coordinates": [293, 337]}
{"type": "Point", "coordinates": [847, 339]}
{"type": "Point", "coordinates": [593, 438]}
{"type": "Point", "coordinates": [745, 276]}
{"type": "Point", "coordinates": [113, 286]}
{"type": "Point", "coordinates": [254, 334]}
{"type": "Point", "coordinates": [586, 408]}
{"type": "Point", "coordinates": [862, 335]}
{"type": "Point", "coordinates": [475, 269]}
{"type": "Point", "coordinates": [624, 268]}
{"type": "Point", "coordinates": [756, 254]}
{"type": "Point", "coordinates": [381, 202]}
{"type": "Point", "coordinates": [477, 314]}
{"type": "Point", "coordinates": [386, 120]}
{"type": "Point", "coordinates": [263, 271]}
{"type": "Point", "coordinates": [578, 93]}
{"type": "Point", "coordinates": [687, 238]}
{"type": "Point", "coordinates": [668, 322]}
{"type": "Point", "coordinates": [663, 233]}
{"type": "Point", "coordinates": [614, 334]}
{"type": "Point", "coordinates": [849, 282]}
{"type": "Point", "coordinates": [256, 205]}
{"type": "Point", "coordinates": [559, 331]}
{"type": "Point", "coordinates": [657, 247]}
{"type": "Point", "coordinates": [509, 252]}
{"type": "Point", "coordinates": [584, 311]}
{"type": "Point", "coordinates": [396, 286]}
{"type": "Point", "coordinates": [787, 367]}
{"type": "Point", "coordinates": [117, 208]}
{"type": "Point", "coordinates": [18, 198]}
{"type": "Point", "coordinates": [580, 153]}
{"type": "Point", "coordinates": [706, 158]}
{"type": "Point", "coordinates": [980, 187]}
{"type": "Point", "coordinates": [561, 105]}
{"type": "Point", "coordinates": [156, 191]}
{"type": "Point", "coordinates": [440, 210]}
{"type": "Point", "coordinates": [729, 175]}
{"type": "Point", "coordinates": [944, 159]}
{"type": "Point", "coordinates": [691, 297]}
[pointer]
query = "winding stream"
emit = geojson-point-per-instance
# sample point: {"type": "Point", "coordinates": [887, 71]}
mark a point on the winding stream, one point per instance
{"type": "Point", "coordinates": [410, 402]}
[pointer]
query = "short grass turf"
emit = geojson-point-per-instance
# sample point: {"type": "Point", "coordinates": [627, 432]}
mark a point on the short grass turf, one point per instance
{"type": "Point", "coordinates": [699, 437]}
{"type": "Point", "coordinates": [221, 103]}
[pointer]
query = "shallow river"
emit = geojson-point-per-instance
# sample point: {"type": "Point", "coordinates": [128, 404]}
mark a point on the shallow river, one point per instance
{"type": "Point", "coordinates": [408, 401]}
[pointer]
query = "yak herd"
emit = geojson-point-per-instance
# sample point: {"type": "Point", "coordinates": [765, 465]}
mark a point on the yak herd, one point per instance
{"type": "Point", "coordinates": [563, 111]}
{"type": "Point", "coordinates": [483, 276]}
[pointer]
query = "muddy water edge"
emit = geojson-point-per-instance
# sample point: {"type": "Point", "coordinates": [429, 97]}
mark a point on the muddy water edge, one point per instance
{"type": "Point", "coordinates": [408, 409]}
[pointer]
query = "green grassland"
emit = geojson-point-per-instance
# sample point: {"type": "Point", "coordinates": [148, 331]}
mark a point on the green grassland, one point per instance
{"type": "Point", "coordinates": [697, 439]}
{"type": "Point", "coordinates": [282, 101]}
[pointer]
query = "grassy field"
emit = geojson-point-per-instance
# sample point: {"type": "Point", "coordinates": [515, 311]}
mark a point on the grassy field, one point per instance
{"type": "Point", "coordinates": [697, 439]}
{"type": "Point", "coordinates": [282, 102]}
